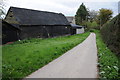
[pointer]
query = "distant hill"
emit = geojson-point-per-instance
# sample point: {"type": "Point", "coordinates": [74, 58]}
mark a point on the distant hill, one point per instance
{"type": "Point", "coordinates": [111, 34]}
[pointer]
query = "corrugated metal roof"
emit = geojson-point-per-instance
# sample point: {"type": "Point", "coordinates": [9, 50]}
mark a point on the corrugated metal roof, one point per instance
{"type": "Point", "coordinates": [76, 26]}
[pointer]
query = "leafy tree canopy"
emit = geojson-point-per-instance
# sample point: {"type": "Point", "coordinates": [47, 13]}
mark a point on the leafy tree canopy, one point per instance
{"type": "Point", "coordinates": [104, 15]}
{"type": "Point", "coordinates": [81, 14]}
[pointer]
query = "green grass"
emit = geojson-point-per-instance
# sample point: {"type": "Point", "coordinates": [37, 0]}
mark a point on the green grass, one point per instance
{"type": "Point", "coordinates": [108, 61]}
{"type": "Point", "coordinates": [24, 57]}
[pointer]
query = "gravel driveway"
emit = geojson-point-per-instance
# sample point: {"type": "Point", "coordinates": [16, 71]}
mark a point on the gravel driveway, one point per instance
{"type": "Point", "coordinates": [79, 62]}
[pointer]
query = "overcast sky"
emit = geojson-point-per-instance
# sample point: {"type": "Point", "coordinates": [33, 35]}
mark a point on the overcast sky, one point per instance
{"type": "Point", "coordinates": [67, 7]}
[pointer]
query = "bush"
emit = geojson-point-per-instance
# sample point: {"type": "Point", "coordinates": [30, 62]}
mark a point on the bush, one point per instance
{"type": "Point", "coordinates": [92, 25]}
{"type": "Point", "coordinates": [91, 30]}
{"type": "Point", "coordinates": [111, 34]}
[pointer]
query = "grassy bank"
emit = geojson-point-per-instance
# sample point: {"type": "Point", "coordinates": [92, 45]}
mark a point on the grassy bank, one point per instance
{"type": "Point", "coordinates": [24, 57]}
{"type": "Point", "coordinates": [108, 61]}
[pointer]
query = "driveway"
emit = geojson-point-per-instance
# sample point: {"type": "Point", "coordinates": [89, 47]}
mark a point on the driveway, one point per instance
{"type": "Point", "coordinates": [79, 62]}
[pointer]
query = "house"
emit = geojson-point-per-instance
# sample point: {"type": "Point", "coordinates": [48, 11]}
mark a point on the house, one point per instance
{"type": "Point", "coordinates": [76, 29]}
{"type": "Point", "coordinates": [37, 24]}
{"type": "Point", "coordinates": [71, 19]}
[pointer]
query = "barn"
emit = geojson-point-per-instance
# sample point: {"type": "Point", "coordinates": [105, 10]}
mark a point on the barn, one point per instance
{"type": "Point", "coordinates": [37, 24]}
{"type": "Point", "coordinates": [9, 32]}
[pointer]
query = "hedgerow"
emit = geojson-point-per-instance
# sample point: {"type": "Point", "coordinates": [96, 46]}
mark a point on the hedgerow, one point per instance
{"type": "Point", "coordinates": [111, 34]}
{"type": "Point", "coordinates": [108, 62]}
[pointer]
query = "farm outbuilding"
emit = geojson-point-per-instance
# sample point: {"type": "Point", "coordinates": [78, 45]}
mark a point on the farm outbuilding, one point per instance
{"type": "Point", "coordinates": [37, 24]}
{"type": "Point", "coordinates": [9, 32]}
{"type": "Point", "coordinates": [76, 29]}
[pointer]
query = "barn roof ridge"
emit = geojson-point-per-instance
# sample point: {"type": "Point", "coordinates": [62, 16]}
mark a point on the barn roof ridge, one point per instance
{"type": "Point", "coordinates": [34, 17]}
{"type": "Point", "coordinates": [35, 10]}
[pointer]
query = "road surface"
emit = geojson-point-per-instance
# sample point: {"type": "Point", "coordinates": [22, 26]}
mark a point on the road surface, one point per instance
{"type": "Point", "coordinates": [79, 62]}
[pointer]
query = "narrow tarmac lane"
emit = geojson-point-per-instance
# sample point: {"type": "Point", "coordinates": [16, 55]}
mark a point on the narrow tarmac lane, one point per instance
{"type": "Point", "coordinates": [79, 62]}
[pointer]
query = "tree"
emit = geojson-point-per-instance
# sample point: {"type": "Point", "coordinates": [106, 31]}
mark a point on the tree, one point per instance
{"type": "Point", "coordinates": [81, 14]}
{"type": "Point", "coordinates": [104, 16]}
{"type": "Point", "coordinates": [93, 15]}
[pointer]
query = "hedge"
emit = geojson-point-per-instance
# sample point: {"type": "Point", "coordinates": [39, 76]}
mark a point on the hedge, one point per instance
{"type": "Point", "coordinates": [111, 34]}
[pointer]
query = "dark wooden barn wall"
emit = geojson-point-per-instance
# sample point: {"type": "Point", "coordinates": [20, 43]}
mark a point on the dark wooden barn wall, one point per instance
{"type": "Point", "coordinates": [73, 31]}
{"type": "Point", "coordinates": [43, 31]}
{"type": "Point", "coordinates": [9, 34]}
{"type": "Point", "coordinates": [58, 30]}
{"type": "Point", "coordinates": [31, 32]}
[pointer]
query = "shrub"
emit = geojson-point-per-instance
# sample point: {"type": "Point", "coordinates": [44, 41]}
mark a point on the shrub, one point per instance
{"type": "Point", "coordinates": [91, 30]}
{"type": "Point", "coordinates": [111, 34]}
{"type": "Point", "coordinates": [92, 25]}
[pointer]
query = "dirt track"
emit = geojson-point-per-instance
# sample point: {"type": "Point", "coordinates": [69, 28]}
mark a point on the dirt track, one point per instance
{"type": "Point", "coordinates": [79, 62]}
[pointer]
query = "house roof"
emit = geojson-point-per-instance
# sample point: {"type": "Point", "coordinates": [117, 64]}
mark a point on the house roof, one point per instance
{"type": "Point", "coordinates": [76, 26]}
{"type": "Point", "coordinates": [35, 17]}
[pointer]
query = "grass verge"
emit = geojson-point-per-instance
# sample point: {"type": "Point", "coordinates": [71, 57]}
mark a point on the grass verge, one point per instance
{"type": "Point", "coordinates": [108, 61]}
{"type": "Point", "coordinates": [24, 57]}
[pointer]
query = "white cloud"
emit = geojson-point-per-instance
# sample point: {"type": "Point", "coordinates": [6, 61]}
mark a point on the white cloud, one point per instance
{"type": "Point", "coordinates": [67, 7]}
